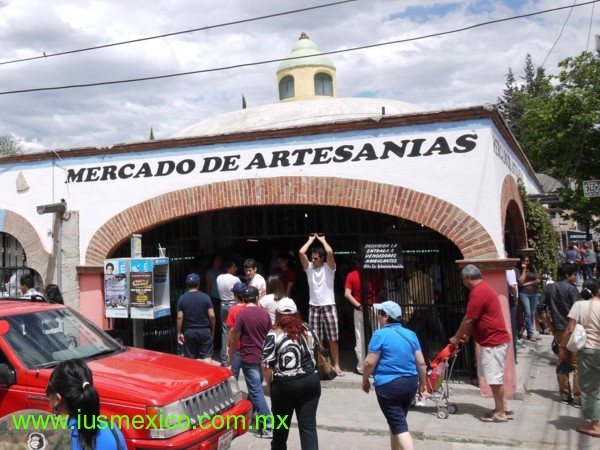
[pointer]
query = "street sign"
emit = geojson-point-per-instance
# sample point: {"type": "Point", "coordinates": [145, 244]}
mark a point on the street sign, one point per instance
{"type": "Point", "coordinates": [591, 188]}
{"type": "Point", "coordinates": [578, 236]}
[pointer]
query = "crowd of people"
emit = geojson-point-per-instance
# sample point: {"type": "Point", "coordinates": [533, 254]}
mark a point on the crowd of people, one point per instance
{"type": "Point", "coordinates": [265, 337]}
{"type": "Point", "coordinates": [268, 341]}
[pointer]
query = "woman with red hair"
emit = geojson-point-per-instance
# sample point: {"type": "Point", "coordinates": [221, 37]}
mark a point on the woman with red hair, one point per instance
{"type": "Point", "coordinates": [290, 371]}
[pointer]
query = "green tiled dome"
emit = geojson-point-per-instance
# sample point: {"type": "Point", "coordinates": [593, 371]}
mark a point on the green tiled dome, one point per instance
{"type": "Point", "coordinates": [306, 53]}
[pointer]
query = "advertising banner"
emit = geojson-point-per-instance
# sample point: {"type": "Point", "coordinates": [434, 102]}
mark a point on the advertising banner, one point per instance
{"type": "Point", "coordinates": [141, 284]}
{"type": "Point", "coordinates": [116, 288]}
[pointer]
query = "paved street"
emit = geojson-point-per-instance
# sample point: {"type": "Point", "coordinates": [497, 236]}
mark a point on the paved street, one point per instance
{"type": "Point", "coordinates": [350, 419]}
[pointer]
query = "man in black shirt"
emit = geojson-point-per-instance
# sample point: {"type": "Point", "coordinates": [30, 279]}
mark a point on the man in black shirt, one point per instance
{"type": "Point", "coordinates": [195, 321]}
{"type": "Point", "coordinates": [558, 298]}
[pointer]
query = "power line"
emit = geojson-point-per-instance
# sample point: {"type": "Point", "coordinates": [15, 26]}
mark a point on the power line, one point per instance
{"type": "Point", "coordinates": [590, 29]}
{"type": "Point", "coordinates": [352, 49]}
{"type": "Point", "coordinates": [210, 27]}
{"type": "Point", "coordinates": [559, 34]}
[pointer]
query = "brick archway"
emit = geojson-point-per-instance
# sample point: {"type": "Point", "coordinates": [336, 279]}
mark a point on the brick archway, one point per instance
{"type": "Point", "coordinates": [512, 209]}
{"type": "Point", "coordinates": [450, 221]}
{"type": "Point", "coordinates": [37, 257]}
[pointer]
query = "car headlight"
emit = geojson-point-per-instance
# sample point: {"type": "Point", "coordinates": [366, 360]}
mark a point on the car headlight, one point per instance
{"type": "Point", "coordinates": [168, 421]}
{"type": "Point", "coordinates": [236, 392]}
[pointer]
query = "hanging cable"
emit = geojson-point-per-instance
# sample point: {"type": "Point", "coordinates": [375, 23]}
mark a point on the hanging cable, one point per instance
{"type": "Point", "coordinates": [210, 27]}
{"type": "Point", "coordinates": [237, 66]}
{"type": "Point", "coordinates": [559, 34]}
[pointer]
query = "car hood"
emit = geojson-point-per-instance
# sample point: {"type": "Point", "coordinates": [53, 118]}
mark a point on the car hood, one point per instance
{"type": "Point", "coordinates": [153, 378]}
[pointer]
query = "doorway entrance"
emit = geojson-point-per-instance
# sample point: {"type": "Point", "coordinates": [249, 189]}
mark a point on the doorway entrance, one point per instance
{"type": "Point", "coordinates": [262, 233]}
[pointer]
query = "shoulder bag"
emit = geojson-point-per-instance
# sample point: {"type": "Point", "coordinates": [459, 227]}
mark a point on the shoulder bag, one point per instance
{"type": "Point", "coordinates": [322, 359]}
{"type": "Point", "coordinates": [578, 337]}
{"type": "Point", "coordinates": [116, 436]}
{"type": "Point", "coordinates": [405, 338]}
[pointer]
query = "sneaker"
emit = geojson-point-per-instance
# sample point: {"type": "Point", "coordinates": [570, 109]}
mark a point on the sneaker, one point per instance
{"type": "Point", "coordinates": [565, 400]}
{"type": "Point", "coordinates": [576, 403]}
{"type": "Point", "coordinates": [537, 338]}
{"type": "Point", "coordinates": [265, 434]}
{"type": "Point", "coordinates": [520, 343]}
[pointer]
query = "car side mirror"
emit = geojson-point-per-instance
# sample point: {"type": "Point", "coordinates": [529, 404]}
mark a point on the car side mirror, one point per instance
{"type": "Point", "coordinates": [7, 375]}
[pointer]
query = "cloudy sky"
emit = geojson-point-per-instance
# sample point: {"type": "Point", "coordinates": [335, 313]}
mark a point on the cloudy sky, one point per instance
{"type": "Point", "coordinates": [460, 69]}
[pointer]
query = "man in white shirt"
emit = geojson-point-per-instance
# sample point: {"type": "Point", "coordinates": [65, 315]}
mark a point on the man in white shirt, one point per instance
{"type": "Point", "coordinates": [320, 272]}
{"type": "Point", "coordinates": [225, 283]}
{"type": "Point", "coordinates": [253, 278]}
{"type": "Point", "coordinates": [513, 303]}
{"type": "Point", "coordinates": [27, 289]}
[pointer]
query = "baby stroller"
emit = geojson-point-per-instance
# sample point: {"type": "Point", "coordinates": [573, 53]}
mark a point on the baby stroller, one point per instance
{"type": "Point", "coordinates": [437, 382]}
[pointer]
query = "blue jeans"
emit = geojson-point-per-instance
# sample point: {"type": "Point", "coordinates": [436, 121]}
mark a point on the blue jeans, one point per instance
{"type": "Point", "coordinates": [529, 303]}
{"type": "Point", "coordinates": [236, 364]}
{"type": "Point", "coordinates": [225, 307]}
{"type": "Point", "coordinates": [253, 376]}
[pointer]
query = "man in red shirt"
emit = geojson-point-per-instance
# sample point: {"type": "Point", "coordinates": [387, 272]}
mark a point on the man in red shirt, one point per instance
{"type": "Point", "coordinates": [485, 323]}
{"type": "Point", "coordinates": [353, 293]}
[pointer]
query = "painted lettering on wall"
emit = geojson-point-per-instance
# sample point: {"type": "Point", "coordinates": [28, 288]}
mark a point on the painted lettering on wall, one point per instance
{"type": "Point", "coordinates": [345, 153]}
{"type": "Point", "coordinates": [505, 157]}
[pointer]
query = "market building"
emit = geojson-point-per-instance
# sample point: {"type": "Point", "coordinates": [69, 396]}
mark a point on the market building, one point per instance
{"type": "Point", "coordinates": [439, 185]}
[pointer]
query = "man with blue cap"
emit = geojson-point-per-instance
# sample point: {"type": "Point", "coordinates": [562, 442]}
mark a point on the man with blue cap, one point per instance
{"type": "Point", "coordinates": [195, 321]}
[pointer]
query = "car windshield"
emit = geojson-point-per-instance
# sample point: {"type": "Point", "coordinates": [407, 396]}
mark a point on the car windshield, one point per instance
{"type": "Point", "coordinates": [44, 338]}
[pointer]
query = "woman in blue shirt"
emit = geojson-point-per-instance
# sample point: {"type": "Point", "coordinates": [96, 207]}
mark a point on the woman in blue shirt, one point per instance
{"type": "Point", "coordinates": [396, 361]}
{"type": "Point", "coordinates": [72, 394]}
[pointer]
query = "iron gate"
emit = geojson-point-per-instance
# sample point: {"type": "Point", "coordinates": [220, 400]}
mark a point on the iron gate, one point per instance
{"type": "Point", "coordinates": [261, 233]}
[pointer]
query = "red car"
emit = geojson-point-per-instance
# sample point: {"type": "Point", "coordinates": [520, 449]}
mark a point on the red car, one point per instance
{"type": "Point", "coordinates": [159, 401]}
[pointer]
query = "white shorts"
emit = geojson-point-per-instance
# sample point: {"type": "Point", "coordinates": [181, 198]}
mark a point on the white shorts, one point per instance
{"type": "Point", "coordinates": [491, 363]}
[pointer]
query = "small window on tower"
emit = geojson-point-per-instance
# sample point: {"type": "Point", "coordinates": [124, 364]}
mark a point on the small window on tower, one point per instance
{"type": "Point", "coordinates": [286, 88]}
{"type": "Point", "coordinates": [323, 85]}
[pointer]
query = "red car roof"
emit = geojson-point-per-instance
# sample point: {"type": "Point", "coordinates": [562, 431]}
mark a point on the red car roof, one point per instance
{"type": "Point", "coordinates": [19, 306]}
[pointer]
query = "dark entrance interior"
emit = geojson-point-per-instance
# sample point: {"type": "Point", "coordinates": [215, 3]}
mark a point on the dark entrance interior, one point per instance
{"type": "Point", "coordinates": [263, 233]}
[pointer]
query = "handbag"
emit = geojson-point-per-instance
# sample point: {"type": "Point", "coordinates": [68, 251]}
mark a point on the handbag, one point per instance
{"type": "Point", "coordinates": [578, 337]}
{"type": "Point", "coordinates": [324, 366]}
{"type": "Point", "coordinates": [322, 358]}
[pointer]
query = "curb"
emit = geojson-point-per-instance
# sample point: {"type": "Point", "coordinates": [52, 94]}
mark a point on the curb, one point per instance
{"type": "Point", "coordinates": [524, 368]}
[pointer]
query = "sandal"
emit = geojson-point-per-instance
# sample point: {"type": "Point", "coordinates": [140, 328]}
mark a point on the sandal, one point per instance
{"type": "Point", "coordinates": [493, 418]}
{"type": "Point", "coordinates": [588, 431]}
{"type": "Point", "coordinates": [340, 373]}
{"type": "Point", "coordinates": [510, 412]}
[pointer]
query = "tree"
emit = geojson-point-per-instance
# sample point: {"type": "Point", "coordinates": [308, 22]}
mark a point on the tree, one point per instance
{"type": "Point", "coordinates": [560, 133]}
{"type": "Point", "coordinates": [541, 235]}
{"type": "Point", "coordinates": [10, 146]}
{"type": "Point", "coordinates": [151, 134]}
{"type": "Point", "coordinates": [243, 102]}
{"type": "Point", "coordinates": [512, 104]}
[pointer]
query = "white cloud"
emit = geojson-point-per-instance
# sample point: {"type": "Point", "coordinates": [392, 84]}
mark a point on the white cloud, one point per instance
{"type": "Point", "coordinates": [460, 69]}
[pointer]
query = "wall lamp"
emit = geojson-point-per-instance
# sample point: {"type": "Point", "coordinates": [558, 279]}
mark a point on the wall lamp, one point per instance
{"type": "Point", "coordinates": [59, 208]}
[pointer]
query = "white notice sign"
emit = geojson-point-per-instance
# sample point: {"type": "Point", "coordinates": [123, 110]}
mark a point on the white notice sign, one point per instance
{"type": "Point", "coordinates": [591, 188]}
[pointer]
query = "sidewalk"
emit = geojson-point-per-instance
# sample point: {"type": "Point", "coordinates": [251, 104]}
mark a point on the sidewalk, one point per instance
{"type": "Point", "coordinates": [350, 419]}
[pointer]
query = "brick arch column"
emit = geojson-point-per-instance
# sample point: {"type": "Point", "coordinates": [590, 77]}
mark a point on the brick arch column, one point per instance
{"type": "Point", "coordinates": [37, 257]}
{"type": "Point", "coordinates": [450, 221]}
{"type": "Point", "coordinates": [511, 206]}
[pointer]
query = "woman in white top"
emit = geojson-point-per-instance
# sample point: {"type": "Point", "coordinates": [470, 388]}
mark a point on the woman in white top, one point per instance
{"type": "Point", "coordinates": [588, 311]}
{"type": "Point", "coordinates": [275, 292]}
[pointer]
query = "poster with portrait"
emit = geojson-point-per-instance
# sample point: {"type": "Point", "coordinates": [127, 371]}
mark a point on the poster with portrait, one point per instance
{"type": "Point", "coordinates": [141, 283]}
{"type": "Point", "coordinates": [116, 292]}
